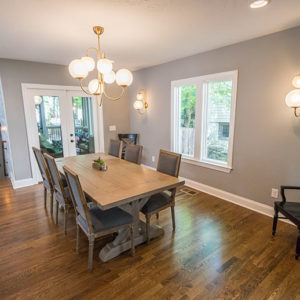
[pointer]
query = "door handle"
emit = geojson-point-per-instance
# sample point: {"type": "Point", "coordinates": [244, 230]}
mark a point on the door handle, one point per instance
{"type": "Point", "coordinates": [71, 134]}
{"type": "Point", "coordinates": [72, 141]}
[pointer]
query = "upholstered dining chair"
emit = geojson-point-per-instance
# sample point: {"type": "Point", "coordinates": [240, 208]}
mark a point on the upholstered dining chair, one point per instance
{"type": "Point", "coordinates": [168, 163]}
{"type": "Point", "coordinates": [115, 148]}
{"type": "Point", "coordinates": [133, 153]}
{"type": "Point", "coordinates": [93, 221]}
{"type": "Point", "coordinates": [61, 191]}
{"type": "Point", "coordinates": [47, 181]}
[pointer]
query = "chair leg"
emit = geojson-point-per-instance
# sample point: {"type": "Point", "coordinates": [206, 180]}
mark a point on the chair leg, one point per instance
{"type": "Point", "coordinates": [51, 203]}
{"type": "Point", "coordinates": [65, 219]}
{"type": "Point", "coordinates": [132, 241]}
{"type": "Point", "coordinates": [173, 216]}
{"type": "Point", "coordinates": [77, 238]}
{"type": "Point", "coordinates": [148, 228]}
{"type": "Point", "coordinates": [91, 250]}
{"type": "Point", "coordinates": [275, 219]}
{"type": "Point", "coordinates": [157, 216]}
{"type": "Point", "coordinates": [56, 212]}
{"type": "Point", "coordinates": [45, 197]}
{"type": "Point", "coordinates": [298, 245]}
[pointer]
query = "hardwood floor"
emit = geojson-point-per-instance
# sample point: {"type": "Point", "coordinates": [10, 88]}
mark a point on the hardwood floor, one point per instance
{"type": "Point", "coordinates": [219, 251]}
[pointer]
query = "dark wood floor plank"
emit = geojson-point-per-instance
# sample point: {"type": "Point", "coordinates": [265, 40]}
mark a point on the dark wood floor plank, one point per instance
{"type": "Point", "coordinates": [219, 251]}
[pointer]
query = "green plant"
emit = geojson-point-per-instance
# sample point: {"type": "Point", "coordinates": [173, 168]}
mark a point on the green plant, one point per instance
{"type": "Point", "coordinates": [99, 161]}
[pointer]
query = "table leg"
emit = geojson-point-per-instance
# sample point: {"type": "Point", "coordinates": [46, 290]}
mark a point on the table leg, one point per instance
{"type": "Point", "coordinates": [122, 242]}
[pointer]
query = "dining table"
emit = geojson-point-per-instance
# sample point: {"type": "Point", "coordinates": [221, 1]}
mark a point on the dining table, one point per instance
{"type": "Point", "coordinates": [125, 185]}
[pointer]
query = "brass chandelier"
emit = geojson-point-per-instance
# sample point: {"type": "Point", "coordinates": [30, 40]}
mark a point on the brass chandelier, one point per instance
{"type": "Point", "coordinates": [80, 68]}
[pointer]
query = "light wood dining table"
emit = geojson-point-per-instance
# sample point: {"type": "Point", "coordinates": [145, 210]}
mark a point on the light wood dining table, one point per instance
{"type": "Point", "coordinates": [125, 185]}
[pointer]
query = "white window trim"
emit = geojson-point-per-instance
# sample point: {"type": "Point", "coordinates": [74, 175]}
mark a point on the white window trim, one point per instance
{"type": "Point", "coordinates": [200, 111]}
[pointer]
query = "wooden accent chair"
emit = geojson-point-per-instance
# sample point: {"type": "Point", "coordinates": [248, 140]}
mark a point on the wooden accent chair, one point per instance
{"type": "Point", "coordinates": [133, 153]}
{"type": "Point", "coordinates": [93, 221]}
{"type": "Point", "coordinates": [47, 181]}
{"type": "Point", "coordinates": [168, 163]}
{"type": "Point", "coordinates": [291, 211]}
{"type": "Point", "coordinates": [127, 138]}
{"type": "Point", "coordinates": [62, 195]}
{"type": "Point", "coordinates": [115, 148]}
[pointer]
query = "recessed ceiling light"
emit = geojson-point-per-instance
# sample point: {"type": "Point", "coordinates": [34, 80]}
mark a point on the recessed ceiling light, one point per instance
{"type": "Point", "coordinates": [259, 3]}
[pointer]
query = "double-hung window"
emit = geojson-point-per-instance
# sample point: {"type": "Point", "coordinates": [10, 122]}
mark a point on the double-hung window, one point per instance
{"type": "Point", "coordinates": [203, 113]}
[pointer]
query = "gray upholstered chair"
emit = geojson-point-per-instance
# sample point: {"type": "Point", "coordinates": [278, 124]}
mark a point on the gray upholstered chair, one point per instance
{"type": "Point", "coordinates": [133, 153]}
{"type": "Point", "coordinates": [115, 148]}
{"type": "Point", "coordinates": [168, 163]}
{"type": "Point", "coordinates": [93, 221]}
{"type": "Point", "coordinates": [47, 181]}
{"type": "Point", "coordinates": [62, 195]}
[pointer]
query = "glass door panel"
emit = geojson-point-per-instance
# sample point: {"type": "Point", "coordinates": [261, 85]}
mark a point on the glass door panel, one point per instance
{"type": "Point", "coordinates": [47, 110]}
{"type": "Point", "coordinates": [62, 122]}
{"type": "Point", "coordinates": [83, 125]}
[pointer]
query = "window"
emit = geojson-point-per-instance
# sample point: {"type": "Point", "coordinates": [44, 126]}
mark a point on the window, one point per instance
{"type": "Point", "coordinates": [187, 120]}
{"type": "Point", "coordinates": [203, 111]}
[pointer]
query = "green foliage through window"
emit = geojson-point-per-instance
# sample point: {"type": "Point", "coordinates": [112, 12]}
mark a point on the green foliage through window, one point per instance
{"type": "Point", "coordinates": [188, 104]}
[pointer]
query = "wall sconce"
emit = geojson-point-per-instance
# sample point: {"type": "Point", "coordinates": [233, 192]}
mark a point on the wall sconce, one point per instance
{"type": "Point", "coordinates": [141, 104]}
{"type": "Point", "coordinates": [292, 99]}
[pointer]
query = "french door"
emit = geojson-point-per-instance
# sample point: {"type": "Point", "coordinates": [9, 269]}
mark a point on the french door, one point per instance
{"type": "Point", "coordinates": [62, 122]}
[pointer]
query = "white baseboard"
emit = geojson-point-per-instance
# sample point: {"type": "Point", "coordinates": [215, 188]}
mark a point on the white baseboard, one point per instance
{"type": "Point", "coordinates": [22, 182]}
{"type": "Point", "coordinates": [238, 200]}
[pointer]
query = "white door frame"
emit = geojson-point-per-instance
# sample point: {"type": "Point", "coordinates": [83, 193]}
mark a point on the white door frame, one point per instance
{"type": "Point", "coordinates": [31, 127]}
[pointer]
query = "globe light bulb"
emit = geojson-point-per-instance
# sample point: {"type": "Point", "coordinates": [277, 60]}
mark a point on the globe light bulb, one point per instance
{"type": "Point", "coordinates": [259, 3]}
{"type": "Point", "coordinates": [37, 100]}
{"type": "Point", "coordinates": [109, 77]}
{"type": "Point", "coordinates": [124, 77]}
{"type": "Point", "coordinates": [89, 62]}
{"type": "Point", "coordinates": [138, 104]}
{"type": "Point", "coordinates": [78, 69]}
{"type": "Point", "coordinates": [293, 98]}
{"type": "Point", "coordinates": [140, 96]}
{"type": "Point", "coordinates": [95, 87]}
{"type": "Point", "coordinates": [104, 65]}
{"type": "Point", "coordinates": [296, 82]}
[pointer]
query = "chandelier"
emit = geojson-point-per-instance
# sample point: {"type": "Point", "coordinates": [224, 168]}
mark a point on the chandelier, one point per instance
{"type": "Point", "coordinates": [80, 68]}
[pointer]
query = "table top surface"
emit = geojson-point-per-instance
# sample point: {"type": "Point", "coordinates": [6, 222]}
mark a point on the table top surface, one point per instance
{"type": "Point", "coordinates": [123, 182]}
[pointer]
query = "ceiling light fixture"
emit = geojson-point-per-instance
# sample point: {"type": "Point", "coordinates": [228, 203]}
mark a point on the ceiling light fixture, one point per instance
{"type": "Point", "coordinates": [259, 3]}
{"type": "Point", "coordinates": [80, 68]}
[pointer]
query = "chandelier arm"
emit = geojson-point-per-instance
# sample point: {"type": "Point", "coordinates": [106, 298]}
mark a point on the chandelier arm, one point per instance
{"type": "Point", "coordinates": [114, 98]}
{"type": "Point", "coordinates": [86, 91]}
{"type": "Point", "coordinates": [91, 48]}
{"type": "Point", "coordinates": [98, 50]}
{"type": "Point", "coordinates": [296, 113]}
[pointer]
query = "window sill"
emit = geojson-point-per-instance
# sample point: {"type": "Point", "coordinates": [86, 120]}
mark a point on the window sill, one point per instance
{"type": "Point", "coordinates": [225, 169]}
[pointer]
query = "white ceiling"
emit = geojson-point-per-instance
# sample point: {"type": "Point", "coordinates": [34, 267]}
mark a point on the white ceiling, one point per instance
{"type": "Point", "coordinates": [138, 33]}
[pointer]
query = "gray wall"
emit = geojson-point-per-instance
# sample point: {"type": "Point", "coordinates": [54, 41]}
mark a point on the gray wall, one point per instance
{"type": "Point", "coordinates": [267, 135]}
{"type": "Point", "coordinates": [13, 73]}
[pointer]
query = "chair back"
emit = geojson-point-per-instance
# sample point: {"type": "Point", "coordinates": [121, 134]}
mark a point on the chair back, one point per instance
{"type": "Point", "coordinates": [115, 148]}
{"type": "Point", "coordinates": [169, 163]}
{"type": "Point", "coordinates": [78, 197]}
{"type": "Point", "coordinates": [133, 153]}
{"type": "Point", "coordinates": [55, 175]}
{"type": "Point", "coordinates": [129, 138]}
{"type": "Point", "coordinates": [43, 167]}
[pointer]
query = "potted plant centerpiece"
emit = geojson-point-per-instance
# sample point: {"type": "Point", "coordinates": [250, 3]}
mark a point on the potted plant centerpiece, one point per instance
{"type": "Point", "coordinates": [99, 164]}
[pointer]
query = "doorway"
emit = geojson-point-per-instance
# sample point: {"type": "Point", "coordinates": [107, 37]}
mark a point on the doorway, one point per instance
{"type": "Point", "coordinates": [61, 121]}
